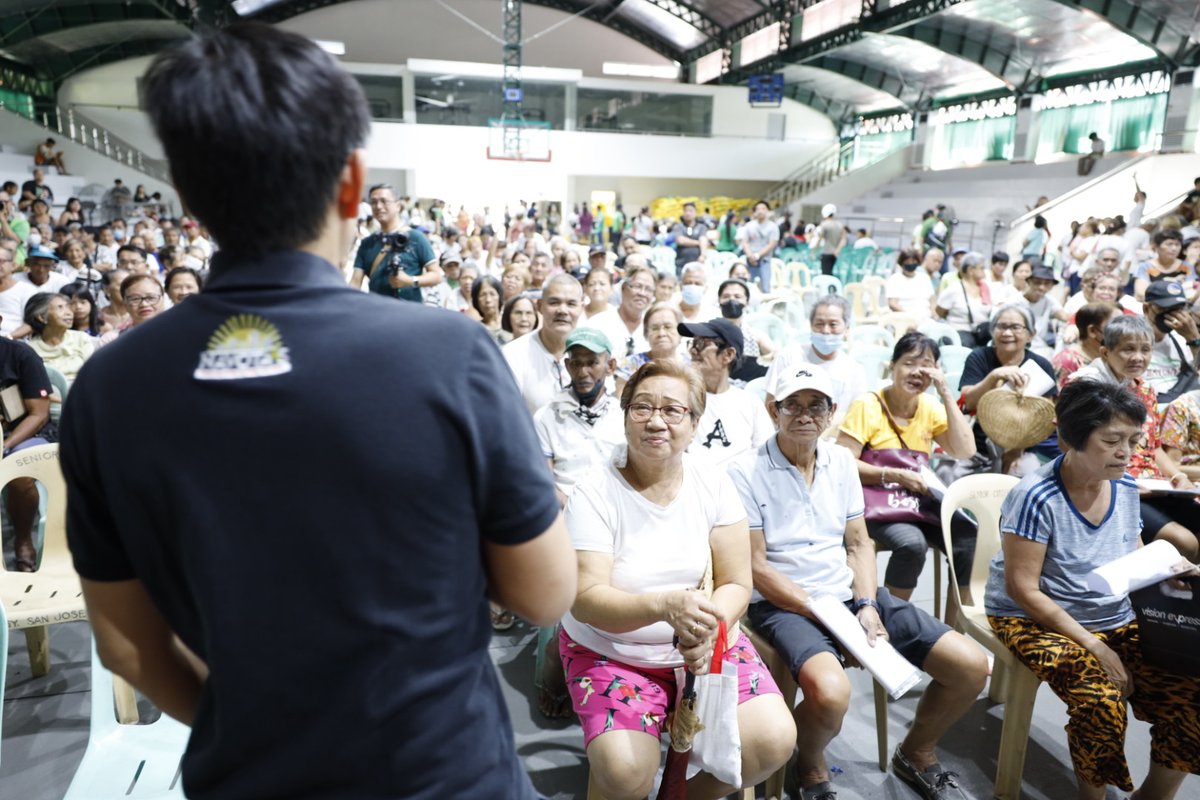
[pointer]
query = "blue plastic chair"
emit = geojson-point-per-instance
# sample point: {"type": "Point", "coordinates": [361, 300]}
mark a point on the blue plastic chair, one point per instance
{"type": "Point", "coordinates": [127, 761]}
{"type": "Point", "coordinates": [940, 332]}
{"type": "Point", "coordinates": [869, 335]}
{"type": "Point", "coordinates": [954, 358]}
{"type": "Point", "coordinates": [874, 359]}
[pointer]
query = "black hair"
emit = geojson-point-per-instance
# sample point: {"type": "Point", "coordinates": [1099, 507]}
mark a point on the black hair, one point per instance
{"type": "Point", "coordinates": [917, 343]}
{"type": "Point", "coordinates": [1040, 222]}
{"type": "Point", "coordinates": [1165, 235]}
{"type": "Point", "coordinates": [734, 282]}
{"type": "Point", "coordinates": [480, 282]}
{"type": "Point", "coordinates": [262, 109]}
{"type": "Point", "coordinates": [176, 272]}
{"type": "Point", "coordinates": [1083, 406]}
{"type": "Point", "coordinates": [82, 292]}
{"type": "Point", "coordinates": [132, 248]}
{"type": "Point", "coordinates": [506, 314]}
{"type": "Point", "coordinates": [758, 203]}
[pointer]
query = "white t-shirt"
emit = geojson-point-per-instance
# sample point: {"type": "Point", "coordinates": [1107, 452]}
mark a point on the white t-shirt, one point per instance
{"type": "Point", "coordinates": [1074, 303]}
{"type": "Point", "coordinates": [734, 421]}
{"type": "Point", "coordinates": [654, 548]}
{"type": "Point", "coordinates": [12, 305]}
{"type": "Point", "coordinates": [1165, 363]}
{"type": "Point", "coordinates": [848, 377]}
{"type": "Point", "coordinates": [573, 445]}
{"type": "Point", "coordinates": [619, 336]}
{"type": "Point", "coordinates": [540, 376]}
{"type": "Point", "coordinates": [54, 282]}
{"type": "Point", "coordinates": [912, 293]}
{"type": "Point", "coordinates": [1042, 313]}
{"type": "Point", "coordinates": [954, 301]}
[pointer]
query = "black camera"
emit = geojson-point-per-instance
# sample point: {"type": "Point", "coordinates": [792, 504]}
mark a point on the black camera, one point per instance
{"type": "Point", "coordinates": [397, 242]}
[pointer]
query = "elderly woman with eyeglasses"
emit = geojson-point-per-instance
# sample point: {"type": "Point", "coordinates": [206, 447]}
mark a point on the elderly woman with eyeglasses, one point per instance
{"type": "Point", "coordinates": [1001, 364]}
{"type": "Point", "coordinates": [623, 324]}
{"type": "Point", "coordinates": [648, 529]}
{"type": "Point", "coordinates": [143, 296]}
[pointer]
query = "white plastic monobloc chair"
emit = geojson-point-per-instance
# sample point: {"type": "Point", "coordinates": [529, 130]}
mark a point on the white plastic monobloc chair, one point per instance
{"type": "Point", "coordinates": [1012, 683]}
{"type": "Point", "coordinates": [127, 760]}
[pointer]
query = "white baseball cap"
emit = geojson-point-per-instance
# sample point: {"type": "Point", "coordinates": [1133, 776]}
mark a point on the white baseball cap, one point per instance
{"type": "Point", "coordinates": [828, 210]}
{"type": "Point", "coordinates": [805, 376]}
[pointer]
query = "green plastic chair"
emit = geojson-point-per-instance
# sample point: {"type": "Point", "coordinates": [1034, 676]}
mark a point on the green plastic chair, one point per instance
{"type": "Point", "coordinates": [127, 761]}
{"type": "Point", "coordinates": [874, 359]}
{"type": "Point", "coordinates": [61, 386]}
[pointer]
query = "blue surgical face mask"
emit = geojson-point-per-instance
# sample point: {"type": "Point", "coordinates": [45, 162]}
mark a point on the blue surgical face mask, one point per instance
{"type": "Point", "coordinates": [827, 343]}
{"type": "Point", "coordinates": [692, 294]}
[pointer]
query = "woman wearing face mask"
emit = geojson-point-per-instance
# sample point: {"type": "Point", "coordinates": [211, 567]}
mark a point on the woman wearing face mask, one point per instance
{"type": "Point", "coordinates": [693, 282]}
{"type": "Point", "coordinates": [733, 297]}
{"type": "Point", "coordinates": [909, 290]}
{"type": "Point", "coordinates": [1124, 357]}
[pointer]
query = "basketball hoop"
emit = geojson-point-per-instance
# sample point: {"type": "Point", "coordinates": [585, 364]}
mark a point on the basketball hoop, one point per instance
{"type": "Point", "coordinates": [518, 140]}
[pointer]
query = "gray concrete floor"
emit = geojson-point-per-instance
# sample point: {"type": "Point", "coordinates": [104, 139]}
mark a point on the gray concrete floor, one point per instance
{"type": "Point", "coordinates": [45, 730]}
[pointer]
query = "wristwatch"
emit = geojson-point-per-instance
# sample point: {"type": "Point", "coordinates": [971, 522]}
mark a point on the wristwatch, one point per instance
{"type": "Point", "coordinates": [863, 602]}
{"type": "Point", "coordinates": [416, 281]}
{"type": "Point", "coordinates": [1194, 342]}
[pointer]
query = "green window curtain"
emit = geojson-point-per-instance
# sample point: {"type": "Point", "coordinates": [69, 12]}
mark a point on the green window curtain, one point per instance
{"type": "Point", "coordinates": [871, 148]}
{"type": "Point", "coordinates": [1136, 121]}
{"type": "Point", "coordinates": [975, 141]}
{"type": "Point", "coordinates": [18, 102]}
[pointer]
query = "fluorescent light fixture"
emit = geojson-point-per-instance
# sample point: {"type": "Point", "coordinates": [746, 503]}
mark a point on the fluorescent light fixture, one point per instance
{"type": "Point", "coordinates": [331, 47]}
{"type": "Point", "coordinates": [245, 8]}
{"type": "Point", "coordinates": [667, 72]}
{"type": "Point", "coordinates": [468, 69]}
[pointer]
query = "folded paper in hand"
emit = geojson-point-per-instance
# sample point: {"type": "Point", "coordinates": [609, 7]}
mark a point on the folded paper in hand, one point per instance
{"type": "Point", "coordinates": [893, 671]}
{"type": "Point", "coordinates": [1155, 562]}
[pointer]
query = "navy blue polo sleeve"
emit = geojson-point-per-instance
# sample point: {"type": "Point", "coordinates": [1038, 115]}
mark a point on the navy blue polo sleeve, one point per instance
{"type": "Point", "coordinates": [96, 548]}
{"type": "Point", "coordinates": [514, 492]}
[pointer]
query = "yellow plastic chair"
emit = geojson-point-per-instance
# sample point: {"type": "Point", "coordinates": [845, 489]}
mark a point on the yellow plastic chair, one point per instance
{"type": "Point", "coordinates": [36, 600]}
{"type": "Point", "coordinates": [787, 686]}
{"type": "Point", "coordinates": [876, 288]}
{"type": "Point", "coordinates": [861, 302]}
{"type": "Point", "coordinates": [801, 275]}
{"type": "Point", "coordinates": [898, 322]}
{"type": "Point", "coordinates": [1012, 683]}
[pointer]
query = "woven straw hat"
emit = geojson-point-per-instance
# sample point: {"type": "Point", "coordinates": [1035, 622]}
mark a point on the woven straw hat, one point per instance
{"type": "Point", "coordinates": [1014, 421]}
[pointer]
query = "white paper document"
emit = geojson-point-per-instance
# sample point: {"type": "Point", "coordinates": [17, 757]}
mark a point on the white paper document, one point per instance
{"type": "Point", "coordinates": [936, 487]}
{"type": "Point", "coordinates": [1040, 381]}
{"type": "Point", "coordinates": [1155, 562]}
{"type": "Point", "coordinates": [893, 671]}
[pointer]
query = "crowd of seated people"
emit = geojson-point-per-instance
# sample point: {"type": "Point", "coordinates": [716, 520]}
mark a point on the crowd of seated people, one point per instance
{"type": "Point", "coordinates": [663, 405]}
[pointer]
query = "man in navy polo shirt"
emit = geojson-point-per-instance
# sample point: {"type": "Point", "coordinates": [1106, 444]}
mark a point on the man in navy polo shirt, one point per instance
{"type": "Point", "coordinates": [329, 581]}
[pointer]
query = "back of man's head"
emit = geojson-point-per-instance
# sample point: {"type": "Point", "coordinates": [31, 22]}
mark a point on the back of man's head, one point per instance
{"type": "Point", "coordinates": [257, 124]}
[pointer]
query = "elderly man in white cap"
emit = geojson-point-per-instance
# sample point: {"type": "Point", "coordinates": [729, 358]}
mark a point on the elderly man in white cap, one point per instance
{"type": "Point", "coordinates": [808, 537]}
{"type": "Point", "coordinates": [833, 238]}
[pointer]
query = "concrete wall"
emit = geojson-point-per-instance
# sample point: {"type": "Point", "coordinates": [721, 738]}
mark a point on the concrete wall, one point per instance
{"type": "Point", "coordinates": [86, 165]}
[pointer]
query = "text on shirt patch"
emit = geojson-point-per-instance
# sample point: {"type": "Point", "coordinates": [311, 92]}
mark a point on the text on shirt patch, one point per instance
{"type": "Point", "coordinates": [245, 346]}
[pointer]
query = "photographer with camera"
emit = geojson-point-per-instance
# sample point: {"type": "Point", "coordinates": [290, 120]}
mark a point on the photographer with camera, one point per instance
{"type": "Point", "coordinates": [396, 260]}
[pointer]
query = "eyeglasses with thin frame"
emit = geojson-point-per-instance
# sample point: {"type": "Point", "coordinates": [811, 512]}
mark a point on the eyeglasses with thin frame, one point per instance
{"type": "Point", "coordinates": [142, 299]}
{"type": "Point", "coordinates": [671, 414]}
{"type": "Point", "coordinates": [794, 408]}
{"type": "Point", "coordinates": [640, 288]}
{"type": "Point", "coordinates": [1011, 327]}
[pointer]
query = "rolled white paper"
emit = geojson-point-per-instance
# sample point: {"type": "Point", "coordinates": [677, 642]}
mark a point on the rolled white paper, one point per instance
{"type": "Point", "coordinates": [1155, 562]}
{"type": "Point", "coordinates": [893, 671]}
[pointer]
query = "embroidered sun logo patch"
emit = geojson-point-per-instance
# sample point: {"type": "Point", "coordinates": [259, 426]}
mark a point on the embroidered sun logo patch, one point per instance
{"type": "Point", "coordinates": [245, 346]}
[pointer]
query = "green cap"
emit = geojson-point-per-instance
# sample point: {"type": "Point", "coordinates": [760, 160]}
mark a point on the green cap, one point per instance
{"type": "Point", "coordinates": [590, 338]}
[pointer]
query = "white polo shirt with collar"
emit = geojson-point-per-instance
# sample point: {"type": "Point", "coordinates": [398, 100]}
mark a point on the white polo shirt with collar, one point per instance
{"type": "Point", "coordinates": [575, 442]}
{"type": "Point", "coordinates": [804, 527]}
{"type": "Point", "coordinates": [540, 376]}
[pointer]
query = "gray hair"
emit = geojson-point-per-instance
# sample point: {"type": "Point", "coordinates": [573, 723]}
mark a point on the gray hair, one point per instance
{"type": "Point", "coordinates": [832, 300]}
{"type": "Point", "coordinates": [1125, 326]}
{"type": "Point", "coordinates": [563, 279]}
{"type": "Point", "coordinates": [972, 259]}
{"type": "Point", "coordinates": [1021, 308]}
{"type": "Point", "coordinates": [693, 266]}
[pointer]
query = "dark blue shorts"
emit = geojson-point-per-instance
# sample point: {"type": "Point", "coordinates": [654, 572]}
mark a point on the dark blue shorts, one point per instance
{"type": "Point", "coordinates": [797, 639]}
